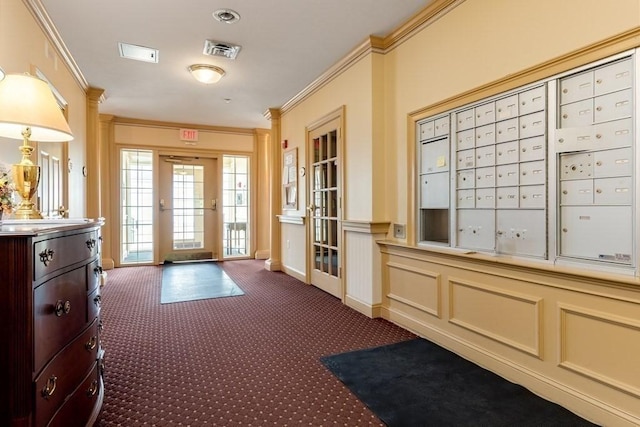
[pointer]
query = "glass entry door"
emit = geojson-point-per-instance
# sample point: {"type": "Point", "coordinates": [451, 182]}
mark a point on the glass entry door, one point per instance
{"type": "Point", "coordinates": [188, 209]}
{"type": "Point", "coordinates": [324, 208]}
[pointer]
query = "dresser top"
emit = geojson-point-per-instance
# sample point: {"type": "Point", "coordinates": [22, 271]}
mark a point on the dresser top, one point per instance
{"type": "Point", "coordinates": [34, 227]}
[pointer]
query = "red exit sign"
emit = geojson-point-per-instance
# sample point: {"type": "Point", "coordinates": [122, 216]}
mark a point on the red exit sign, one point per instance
{"type": "Point", "coordinates": [188, 135]}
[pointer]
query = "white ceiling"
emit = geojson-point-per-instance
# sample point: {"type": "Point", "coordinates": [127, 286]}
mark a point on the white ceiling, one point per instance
{"type": "Point", "coordinates": [286, 45]}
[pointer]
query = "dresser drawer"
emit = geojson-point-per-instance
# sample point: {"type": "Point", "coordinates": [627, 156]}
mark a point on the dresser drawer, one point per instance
{"type": "Point", "coordinates": [60, 312]}
{"type": "Point", "coordinates": [52, 254]}
{"type": "Point", "coordinates": [77, 410]}
{"type": "Point", "coordinates": [94, 274]}
{"type": "Point", "coordinates": [64, 373]}
{"type": "Point", "coordinates": [94, 302]}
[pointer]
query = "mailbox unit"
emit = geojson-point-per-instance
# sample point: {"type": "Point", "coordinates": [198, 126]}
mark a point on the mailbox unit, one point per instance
{"type": "Point", "coordinates": [502, 192]}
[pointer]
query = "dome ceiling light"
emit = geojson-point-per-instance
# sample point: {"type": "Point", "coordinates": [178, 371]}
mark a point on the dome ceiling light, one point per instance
{"type": "Point", "coordinates": [207, 74]}
{"type": "Point", "coordinates": [227, 16]}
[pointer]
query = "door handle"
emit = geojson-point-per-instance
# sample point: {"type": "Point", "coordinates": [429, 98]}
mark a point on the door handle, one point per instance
{"type": "Point", "coordinates": [311, 207]}
{"type": "Point", "coordinates": [214, 204]}
{"type": "Point", "coordinates": [161, 204]}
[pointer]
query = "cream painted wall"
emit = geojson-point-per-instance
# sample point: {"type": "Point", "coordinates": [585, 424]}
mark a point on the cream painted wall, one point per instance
{"type": "Point", "coordinates": [478, 42]}
{"type": "Point", "coordinates": [353, 89]}
{"type": "Point", "coordinates": [169, 137]}
{"type": "Point", "coordinates": [23, 46]}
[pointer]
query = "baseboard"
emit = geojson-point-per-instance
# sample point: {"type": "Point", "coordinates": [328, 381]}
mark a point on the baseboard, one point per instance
{"type": "Point", "coordinates": [585, 406]}
{"type": "Point", "coordinates": [107, 263]}
{"type": "Point", "coordinates": [295, 273]}
{"type": "Point", "coordinates": [368, 310]}
{"type": "Point", "coordinates": [262, 254]}
{"type": "Point", "coordinates": [272, 265]}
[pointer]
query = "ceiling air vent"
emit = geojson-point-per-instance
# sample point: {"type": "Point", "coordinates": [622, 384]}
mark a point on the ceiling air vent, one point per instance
{"type": "Point", "coordinates": [226, 50]}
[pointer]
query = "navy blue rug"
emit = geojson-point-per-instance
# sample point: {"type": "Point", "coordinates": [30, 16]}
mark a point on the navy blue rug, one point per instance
{"type": "Point", "coordinates": [194, 281]}
{"type": "Point", "coordinates": [418, 383]}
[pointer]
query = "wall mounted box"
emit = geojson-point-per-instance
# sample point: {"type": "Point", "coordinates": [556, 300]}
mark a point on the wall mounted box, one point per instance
{"type": "Point", "coordinates": [507, 108]}
{"type": "Point", "coordinates": [466, 139]}
{"type": "Point", "coordinates": [521, 232]}
{"type": "Point", "coordinates": [435, 156]}
{"type": "Point", "coordinates": [435, 191]}
{"type": "Point", "coordinates": [476, 229]}
{"type": "Point", "coordinates": [485, 113]}
{"type": "Point", "coordinates": [508, 152]}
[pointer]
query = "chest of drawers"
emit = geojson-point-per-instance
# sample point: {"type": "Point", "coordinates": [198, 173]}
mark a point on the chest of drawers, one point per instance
{"type": "Point", "coordinates": [51, 358]}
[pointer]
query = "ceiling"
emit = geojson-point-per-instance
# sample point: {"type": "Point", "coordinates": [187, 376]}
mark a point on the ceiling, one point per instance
{"type": "Point", "coordinates": [286, 45]}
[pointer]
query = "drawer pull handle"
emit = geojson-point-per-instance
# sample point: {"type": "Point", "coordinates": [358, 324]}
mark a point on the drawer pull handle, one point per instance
{"type": "Point", "coordinates": [97, 270]}
{"type": "Point", "coordinates": [91, 344]}
{"type": "Point", "coordinates": [91, 391]}
{"type": "Point", "coordinates": [91, 243]}
{"type": "Point", "coordinates": [62, 308]}
{"type": "Point", "coordinates": [97, 300]}
{"type": "Point", "coordinates": [46, 256]}
{"type": "Point", "coordinates": [49, 387]}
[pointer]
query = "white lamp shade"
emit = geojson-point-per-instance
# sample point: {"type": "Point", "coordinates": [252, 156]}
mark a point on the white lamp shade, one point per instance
{"type": "Point", "coordinates": [27, 101]}
{"type": "Point", "coordinates": [207, 74]}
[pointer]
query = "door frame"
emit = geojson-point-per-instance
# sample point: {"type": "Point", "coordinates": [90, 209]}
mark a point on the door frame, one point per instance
{"type": "Point", "coordinates": [339, 115]}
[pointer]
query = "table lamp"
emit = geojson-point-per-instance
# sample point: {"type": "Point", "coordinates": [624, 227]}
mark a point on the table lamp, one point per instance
{"type": "Point", "coordinates": [28, 110]}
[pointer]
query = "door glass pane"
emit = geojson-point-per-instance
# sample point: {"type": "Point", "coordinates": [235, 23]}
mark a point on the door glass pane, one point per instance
{"type": "Point", "coordinates": [136, 217]}
{"type": "Point", "coordinates": [188, 203]}
{"type": "Point", "coordinates": [235, 198]}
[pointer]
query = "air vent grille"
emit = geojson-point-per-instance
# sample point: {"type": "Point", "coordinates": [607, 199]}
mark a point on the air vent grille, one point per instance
{"type": "Point", "coordinates": [226, 50]}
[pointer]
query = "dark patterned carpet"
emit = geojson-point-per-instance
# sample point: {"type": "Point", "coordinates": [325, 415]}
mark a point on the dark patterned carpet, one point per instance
{"type": "Point", "coordinates": [248, 361]}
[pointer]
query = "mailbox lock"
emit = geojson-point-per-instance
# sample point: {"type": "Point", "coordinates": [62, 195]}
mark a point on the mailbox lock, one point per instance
{"type": "Point", "coordinates": [564, 230]}
{"type": "Point", "coordinates": [524, 150]}
{"type": "Point", "coordinates": [599, 190]}
{"type": "Point", "coordinates": [565, 90]}
{"type": "Point", "coordinates": [564, 116]}
{"type": "Point", "coordinates": [565, 192]}
{"type": "Point", "coordinates": [561, 140]}
{"type": "Point", "coordinates": [598, 108]}
{"type": "Point", "coordinates": [599, 163]}
{"type": "Point", "coordinates": [598, 136]}
{"type": "Point", "coordinates": [599, 81]}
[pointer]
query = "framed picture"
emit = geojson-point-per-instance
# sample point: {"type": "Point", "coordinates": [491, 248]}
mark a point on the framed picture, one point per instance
{"type": "Point", "coordinates": [290, 179]}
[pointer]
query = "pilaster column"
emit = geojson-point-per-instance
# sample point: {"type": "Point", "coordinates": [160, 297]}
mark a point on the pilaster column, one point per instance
{"type": "Point", "coordinates": [274, 262]}
{"type": "Point", "coordinates": [93, 154]}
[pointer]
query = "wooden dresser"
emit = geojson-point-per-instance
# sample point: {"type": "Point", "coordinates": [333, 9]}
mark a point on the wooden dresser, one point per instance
{"type": "Point", "coordinates": [51, 358]}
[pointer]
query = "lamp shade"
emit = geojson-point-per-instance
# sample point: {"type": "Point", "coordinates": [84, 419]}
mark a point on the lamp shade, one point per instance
{"type": "Point", "coordinates": [27, 101]}
{"type": "Point", "coordinates": [207, 74]}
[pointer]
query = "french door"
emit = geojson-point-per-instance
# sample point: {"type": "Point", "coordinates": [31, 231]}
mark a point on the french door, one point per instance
{"type": "Point", "coordinates": [325, 208]}
{"type": "Point", "coordinates": [187, 209]}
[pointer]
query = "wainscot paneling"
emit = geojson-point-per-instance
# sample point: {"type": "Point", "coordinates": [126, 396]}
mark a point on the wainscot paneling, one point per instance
{"type": "Point", "coordinates": [508, 317]}
{"type": "Point", "coordinates": [602, 346]}
{"type": "Point", "coordinates": [569, 335]}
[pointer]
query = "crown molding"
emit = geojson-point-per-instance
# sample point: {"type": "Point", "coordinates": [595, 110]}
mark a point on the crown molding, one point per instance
{"type": "Point", "coordinates": [126, 121]}
{"type": "Point", "coordinates": [434, 11]}
{"type": "Point", "coordinates": [43, 20]}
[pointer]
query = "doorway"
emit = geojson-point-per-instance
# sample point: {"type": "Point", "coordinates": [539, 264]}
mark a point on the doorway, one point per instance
{"type": "Point", "coordinates": [188, 207]}
{"type": "Point", "coordinates": [325, 210]}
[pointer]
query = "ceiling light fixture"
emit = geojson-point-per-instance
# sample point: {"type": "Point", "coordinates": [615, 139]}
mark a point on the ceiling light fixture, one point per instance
{"type": "Point", "coordinates": [207, 74]}
{"type": "Point", "coordinates": [227, 16]}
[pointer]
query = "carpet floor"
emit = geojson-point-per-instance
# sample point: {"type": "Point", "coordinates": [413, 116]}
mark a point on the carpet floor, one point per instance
{"type": "Point", "coordinates": [418, 383]}
{"type": "Point", "coordinates": [197, 280]}
{"type": "Point", "coordinates": [247, 361]}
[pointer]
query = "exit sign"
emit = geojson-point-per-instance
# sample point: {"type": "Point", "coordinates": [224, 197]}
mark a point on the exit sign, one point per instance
{"type": "Point", "coordinates": [188, 135]}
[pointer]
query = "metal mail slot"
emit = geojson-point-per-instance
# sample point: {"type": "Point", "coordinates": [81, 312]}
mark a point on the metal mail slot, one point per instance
{"type": "Point", "coordinates": [532, 125]}
{"type": "Point", "coordinates": [521, 232]}
{"type": "Point", "coordinates": [427, 130]}
{"type": "Point", "coordinates": [576, 88]}
{"type": "Point", "coordinates": [466, 139]}
{"type": "Point", "coordinates": [507, 197]}
{"type": "Point", "coordinates": [532, 149]}
{"type": "Point", "coordinates": [435, 190]}
{"type": "Point", "coordinates": [533, 196]}
{"type": "Point", "coordinates": [507, 108]}
{"type": "Point", "coordinates": [507, 175]}
{"type": "Point", "coordinates": [435, 156]}
{"type": "Point", "coordinates": [485, 156]}
{"type": "Point", "coordinates": [615, 134]}
{"type": "Point", "coordinates": [466, 178]}
{"type": "Point", "coordinates": [576, 192]}
{"type": "Point", "coordinates": [476, 229]}
{"type": "Point", "coordinates": [608, 163]}
{"type": "Point", "coordinates": [507, 130]}
{"type": "Point", "coordinates": [533, 173]}
{"type": "Point", "coordinates": [466, 159]}
{"type": "Point", "coordinates": [597, 232]}
{"type": "Point", "coordinates": [576, 166]}
{"type": "Point", "coordinates": [485, 198]}
{"type": "Point", "coordinates": [485, 114]}
{"type": "Point", "coordinates": [485, 177]}
{"type": "Point", "coordinates": [507, 152]}
{"type": "Point", "coordinates": [577, 114]}
{"type": "Point", "coordinates": [485, 135]}
{"type": "Point", "coordinates": [616, 105]}
{"type": "Point", "coordinates": [532, 100]}
{"type": "Point", "coordinates": [466, 198]}
{"type": "Point", "coordinates": [613, 191]}
{"type": "Point", "coordinates": [465, 119]}
{"type": "Point", "coordinates": [442, 126]}
{"type": "Point", "coordinates": [613, 77]}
